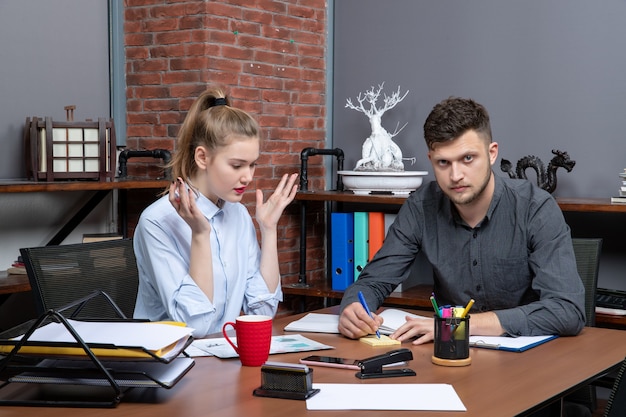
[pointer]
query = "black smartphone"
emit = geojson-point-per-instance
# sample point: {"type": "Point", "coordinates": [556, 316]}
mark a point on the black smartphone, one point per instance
{"type": "Point", "coordinates": [331, 361]}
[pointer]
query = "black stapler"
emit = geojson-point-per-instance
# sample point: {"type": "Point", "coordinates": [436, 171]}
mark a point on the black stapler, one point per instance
{"type": "Point", "coordinates": [373, 367]}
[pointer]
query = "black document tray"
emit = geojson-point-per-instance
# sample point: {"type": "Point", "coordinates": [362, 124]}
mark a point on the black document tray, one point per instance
{"type": "Point", "coordinates": [97, 382]}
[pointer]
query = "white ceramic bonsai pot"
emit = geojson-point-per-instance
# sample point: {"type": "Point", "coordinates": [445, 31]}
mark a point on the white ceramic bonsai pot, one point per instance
{"type": "Point", "coordinates": [395, 182]}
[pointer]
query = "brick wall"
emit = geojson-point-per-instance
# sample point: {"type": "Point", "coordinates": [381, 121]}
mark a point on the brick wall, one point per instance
{"type": "Point", "coordinates": [270, 57]}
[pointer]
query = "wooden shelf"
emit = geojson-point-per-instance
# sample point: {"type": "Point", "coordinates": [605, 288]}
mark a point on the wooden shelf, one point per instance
{"type": "Point", "coordinates": [10, 283]}
{"type": "Point", "coordinates": [597, 205]}
{"type": "Point", "coordinates": [350, 197]}
{"type": "Point", "coordinates": [415, 297]}
{"type": "Point", "coordinates": [611, 321]}
{"type": "Point", "coordinates": [100, 190]}
{"type": "Point", "coordinates": [590, 205]}
{"type": "Point", "coordinates": [25, 186]}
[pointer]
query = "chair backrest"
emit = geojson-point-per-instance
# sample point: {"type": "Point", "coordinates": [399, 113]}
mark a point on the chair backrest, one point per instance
{"type": "Point", "coordinates": [62, 274]}
{"type": "Point", "coordinates": [587, 251]}
{"type": "Point", "coordinates": [616, 404]}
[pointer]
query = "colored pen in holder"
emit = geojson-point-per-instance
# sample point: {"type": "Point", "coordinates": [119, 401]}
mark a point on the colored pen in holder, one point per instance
{"type": "Point", "coordinates": [451, 344]}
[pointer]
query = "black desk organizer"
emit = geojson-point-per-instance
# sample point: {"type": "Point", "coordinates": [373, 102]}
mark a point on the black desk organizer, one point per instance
{"type": "Point", "coordinates": [16, 364]}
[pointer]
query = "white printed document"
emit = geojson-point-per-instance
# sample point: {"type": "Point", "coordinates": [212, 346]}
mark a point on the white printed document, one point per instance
{"type": "Point", "coordinates": [280, 344]}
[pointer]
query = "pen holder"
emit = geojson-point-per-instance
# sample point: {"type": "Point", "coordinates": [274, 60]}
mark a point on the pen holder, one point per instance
{"type": "Point", "coordinates": [451, 341]}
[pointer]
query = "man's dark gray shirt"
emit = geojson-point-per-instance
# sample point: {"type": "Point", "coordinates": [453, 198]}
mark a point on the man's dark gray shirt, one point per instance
{"type": "Point", "coordinates": [518, 261]}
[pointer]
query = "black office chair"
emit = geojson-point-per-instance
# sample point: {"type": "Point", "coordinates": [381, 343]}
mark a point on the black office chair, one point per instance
{"type": "Point", "coordinates": [60, 275]}
{"type": "Point", "coordinates": [587, 252]}
{"type": "Point", "coordinates": [616, 405]}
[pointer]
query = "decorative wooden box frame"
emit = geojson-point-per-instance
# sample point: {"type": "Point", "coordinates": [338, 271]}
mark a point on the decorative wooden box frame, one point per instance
{"type": "Point", "coordinates": [70, 150]}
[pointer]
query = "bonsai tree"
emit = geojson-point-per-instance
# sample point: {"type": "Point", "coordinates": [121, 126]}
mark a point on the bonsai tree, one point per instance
{"type": "Point", "coordinates": [379, 151]}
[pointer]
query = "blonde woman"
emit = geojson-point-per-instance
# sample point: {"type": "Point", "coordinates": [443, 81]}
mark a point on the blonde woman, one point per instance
{"type": "Point", "coordinates": [197, 251]}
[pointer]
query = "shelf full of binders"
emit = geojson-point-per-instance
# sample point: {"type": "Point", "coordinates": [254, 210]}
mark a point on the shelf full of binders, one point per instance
{"type": "Point", "coordinates": [355, 239]}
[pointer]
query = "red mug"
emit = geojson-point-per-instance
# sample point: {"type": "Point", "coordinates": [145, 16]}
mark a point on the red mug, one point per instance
{"type": "Point", "coordinates": [254, 336]}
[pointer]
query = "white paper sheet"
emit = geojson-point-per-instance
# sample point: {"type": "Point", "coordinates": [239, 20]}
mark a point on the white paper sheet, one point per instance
{"type": "Point", "coordinates": [280, 344]}
{"type": "Point", "coordinates": [327, 323]}
{"type": "Point", "coordinates": [152, 336]}
{"type": "Point", "coordinates": [425, 397]}
{"type": "Point", "coordinates": [315, 322]}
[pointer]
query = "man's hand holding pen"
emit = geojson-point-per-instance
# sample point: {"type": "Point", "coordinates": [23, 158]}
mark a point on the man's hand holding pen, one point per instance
{"type": "Point", "coordinates": [355, 322]}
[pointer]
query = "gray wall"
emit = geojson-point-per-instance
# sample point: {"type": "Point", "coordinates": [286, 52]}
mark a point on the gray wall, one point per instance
{"type": "Point", "coordinates": [52, 54]}
{"type": "Point", "coordinates": [552, 74]}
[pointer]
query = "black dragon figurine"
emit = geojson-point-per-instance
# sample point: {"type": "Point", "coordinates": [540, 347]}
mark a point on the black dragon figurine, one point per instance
{"type": "Point", "coordinates": [546, 179]}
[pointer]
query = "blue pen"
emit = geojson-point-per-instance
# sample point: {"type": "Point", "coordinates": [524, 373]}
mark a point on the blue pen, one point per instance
{"type": "Point", "coordinates": [367, 309]}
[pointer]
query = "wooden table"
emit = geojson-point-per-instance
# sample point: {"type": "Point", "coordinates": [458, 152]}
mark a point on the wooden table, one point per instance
{"type": "Point", "coordinates": [496, 384]}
